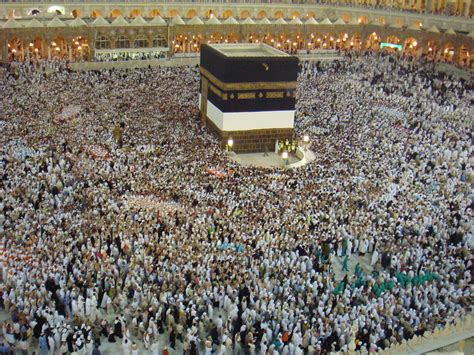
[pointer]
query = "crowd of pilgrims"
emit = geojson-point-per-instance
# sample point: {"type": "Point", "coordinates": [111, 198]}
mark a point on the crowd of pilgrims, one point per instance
{"type": "Point", "coordinates": [82, 266]}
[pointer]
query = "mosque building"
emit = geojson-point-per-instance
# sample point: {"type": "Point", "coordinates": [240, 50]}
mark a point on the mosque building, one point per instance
{"type": "Point", "coordinates": [97, 30]}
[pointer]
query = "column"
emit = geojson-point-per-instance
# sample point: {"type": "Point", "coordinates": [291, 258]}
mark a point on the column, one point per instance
{"type": "Point", "coordinates": [4, 57]}
{"type": "Point", "coordinates": [49, 51]}
{"type": "Point", "coordinates": [69, 49]}
{"type": "Point", "coordinates": [429, 6]}
{"type": "Point", "coordinates": [467, 7]}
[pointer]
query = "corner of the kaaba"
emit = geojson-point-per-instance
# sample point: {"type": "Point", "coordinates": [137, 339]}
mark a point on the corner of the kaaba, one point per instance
{"type": "Point", "coordinates": [248, 94]}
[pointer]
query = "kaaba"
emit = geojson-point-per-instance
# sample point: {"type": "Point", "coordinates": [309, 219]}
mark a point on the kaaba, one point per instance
{"type": "Point", "coordinates": [247, 93]}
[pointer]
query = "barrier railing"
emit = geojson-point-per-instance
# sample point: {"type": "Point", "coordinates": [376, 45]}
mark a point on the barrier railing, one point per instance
{"type": "Point", "coordinates": [462, 328]}
{"type": "Point", "coordinates": [285, 2]}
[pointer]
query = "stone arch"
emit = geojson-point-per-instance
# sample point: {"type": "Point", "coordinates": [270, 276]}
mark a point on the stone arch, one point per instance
{"type": "Point", "coordinates": [154, 13]}
{"type": "Point", "coordinates": [399, 22]}
{"type": "Point", "coordinates": [410, 46]}
{"type": "Point", "coordinates": [232, 37]}
{"type": "Point", "coordinates": [79, 48]}
{"type": "Point", "coordinates": [122, 42]}
{"type": "Point", "coordinates": [227, 14]}
{"type": "Point", "coordinates": [252, 37]}
{"type": "Point", "coordinates": [373, 41]}
{"type": "Point", "coordinates": [59, 47]}
{"type": "Point", "coordinates": [269, 39]}
{"type": "Point", "coordinates": [448, 51]}
{"type": "Point", "coordinates": [463, 54]}
{"type": "Point", "coordinates": [159, 41]}
{"type": "Point", "coordinates": [346, 17]}
{"type": "Point", "coordinates": [261, 14]}
{"type": "Point", "coordinates": [279, 14]}
{"type": "Point", "coordinates": [356, 40]}
{"type": "Point", "coordinates": [191, 13]}
{"type": "Point", "coordinates": [33, 12]}
{"type": "Point", "coordinates": [431, 48]}
{"type": "Point", "coordinates": [173, 13]}
{"type": "Point", "coordinates": [216, 37]}
{"type": "Point", "coordinates": [135, 13]}
{"type": "Point", "coordinates": [103, 42]}
{"type": "Point", "coordinates": [37, 47]}
{"type": "Point", "coordinates": [76, 13]}
{"type": "Point", "coordinates": [141, 41]}
{"type": "Point", "coordinates": [244, 14]}
{"type": "Point", "coordinates": [295, 14]}
{"type": "Point", "coordinates": [95, 13]}
{"type": "Point", "coordinates": [209, 13]}
{"type": "Point", "coordinates": [115, 13]}
{"type": "Point", "coordinates": [15, 49]}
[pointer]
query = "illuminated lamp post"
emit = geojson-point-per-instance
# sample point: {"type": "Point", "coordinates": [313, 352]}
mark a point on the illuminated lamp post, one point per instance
{"type": "Point", "coordinates": [284, 156]}
{"type": "Point", "coordinates": [305, 142]}
{"type": "Point", "coordinates": [230, 144]}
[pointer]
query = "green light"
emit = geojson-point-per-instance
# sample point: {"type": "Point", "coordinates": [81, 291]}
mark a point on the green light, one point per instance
{"type": "Point", "coordinates": [391, 45]}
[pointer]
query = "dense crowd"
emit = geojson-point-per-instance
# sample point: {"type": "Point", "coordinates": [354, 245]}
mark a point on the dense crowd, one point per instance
{"type": "Point", "coordinates": [138, 244]}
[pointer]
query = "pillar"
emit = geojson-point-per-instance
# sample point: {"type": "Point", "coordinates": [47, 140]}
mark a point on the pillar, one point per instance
{"type": "Point", "coordinates": [49, 52]}
{"type": "Point", "coordinates": [429, 6]}
{"type": "Point", "coordinates": [69, 49]}
{"type": "Point", "coordinates": [467, 7]}
{"type": "Point", "coordinates": [4, 56]}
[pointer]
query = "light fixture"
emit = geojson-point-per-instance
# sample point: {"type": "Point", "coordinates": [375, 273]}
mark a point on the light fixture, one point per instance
{"type": "Point", "coordinates": [13, 50]}
{"type": "Point", "coordinates": [284, 155]}
{"type": "Point", "coordinates": [230, 142]}
{"type": "Point", "coordinates": [36, 50]}
{"type": "Point", "coordinates": [31, 44]}
{"type": "Point", "coordinates": [79, 48]}
{"type": "Point", "coordinates": [305, 138]}
{"type": "Point", "coordinates": [53, 44]}
{"type": "Point", "coordinates": [58, 49]}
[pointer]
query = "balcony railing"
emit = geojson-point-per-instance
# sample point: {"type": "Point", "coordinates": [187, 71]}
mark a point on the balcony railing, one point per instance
{"type": "Point", "coordinates": [287, 2]}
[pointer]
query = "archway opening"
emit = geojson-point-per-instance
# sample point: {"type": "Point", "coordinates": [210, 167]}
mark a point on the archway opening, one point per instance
{"type": "Point", "coordinates": [373, 41]}
{"type": "Point", "coordinates": [262, 14]}
{"type": "Point", "coordinates": [122, 42]}
{"type": "Point", "coordinates": [279, 14]}
{"type": "Point", "coordinates": [15, 50]}
{"type": "Point", "coordinates": [172, 13]}
{"type": "Point", "coordinates": [411, 47]}
{"type": "Point", "coordinates": [295, 14]}
{"type": "Point", "coordinates": [135, 13]}
{"type": "Point", "coordinates": [191, 13]}
{"type": "Point", "coordinates": [79, 48]}
{"type": "Point", "coordinates": [115, 13]}
{"type": "Point", "coordinates": [227, 14]}
{"type": "Point", "coordinates": [95, 13]}
{"type": "Point", "coordinates": [103, 42]}
{"type": "Point", "coordinates": [140, 42]}
{"type": "Point", "coordinates": [154, 13]}
{"type": "Point", "coordinates": [244, 14]}
{"type": "Point", "coordinates": [59, 48]}
{"type": "Point", "coordinates": [159, 41]}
